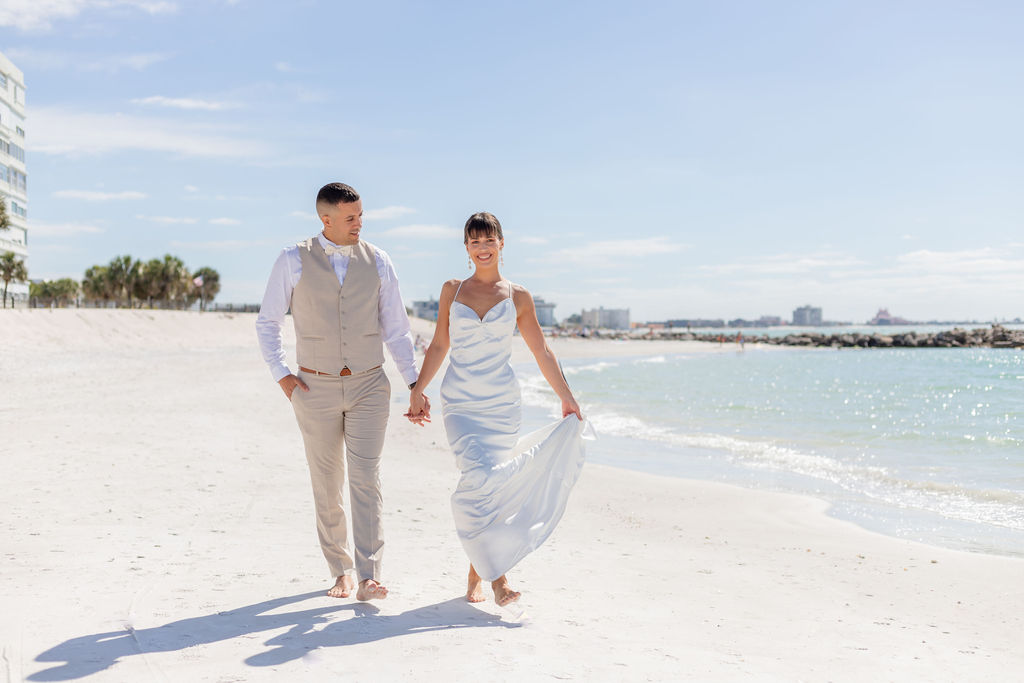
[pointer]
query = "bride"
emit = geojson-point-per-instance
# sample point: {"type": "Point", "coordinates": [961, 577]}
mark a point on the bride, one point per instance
{"type": "Point", "coordinates": [512, 490]}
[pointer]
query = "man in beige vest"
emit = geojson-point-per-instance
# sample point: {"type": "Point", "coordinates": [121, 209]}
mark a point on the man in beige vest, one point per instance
{"type": "Point", "coordinates": [346, 305]}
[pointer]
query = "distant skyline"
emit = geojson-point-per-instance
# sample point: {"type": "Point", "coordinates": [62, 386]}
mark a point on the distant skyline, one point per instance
{"type": "Point", "coordinates": [680, 159]}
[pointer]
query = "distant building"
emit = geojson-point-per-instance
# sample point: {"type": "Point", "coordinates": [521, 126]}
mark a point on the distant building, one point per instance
{"type": "Point", "coordinates": [13, 181]}
{"type": "Point", "coordinates": [696, 322]}
{"type": "Point", "coordinates": [545, 312]}
{"type": "Point", "coordinates": [425, 309]}
{"type": "Point", "coordinates": [611, 318]}
{"type": "Point", "coordinates": [768, 321]}
{"type": "Point", "coordinates": [807, 315]}
{"type": "Point", "coordinates": [883, 317]}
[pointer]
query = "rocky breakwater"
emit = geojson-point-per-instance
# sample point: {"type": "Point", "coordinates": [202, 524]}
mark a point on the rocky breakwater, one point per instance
{"type": "Point", "coordinates": [996, 337]}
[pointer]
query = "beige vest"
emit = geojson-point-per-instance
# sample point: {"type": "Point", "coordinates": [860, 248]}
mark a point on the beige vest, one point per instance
{"type": "Point", "coordinates": [337, 325]}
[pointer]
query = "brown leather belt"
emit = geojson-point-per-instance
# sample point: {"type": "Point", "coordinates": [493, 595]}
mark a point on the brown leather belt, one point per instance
{"type": "Point", "coordinates": [345, 372]}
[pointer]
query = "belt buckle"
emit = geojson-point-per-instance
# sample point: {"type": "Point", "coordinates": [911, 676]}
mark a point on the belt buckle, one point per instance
{"type": "Point", "coordinates": [345, 372]}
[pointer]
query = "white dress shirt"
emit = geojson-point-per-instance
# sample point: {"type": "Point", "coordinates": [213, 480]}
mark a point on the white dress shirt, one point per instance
{"type": "Point", "coordinates": [394, 323]}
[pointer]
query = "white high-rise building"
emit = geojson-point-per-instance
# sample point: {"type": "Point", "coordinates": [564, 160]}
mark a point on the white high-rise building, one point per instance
{"type": "Point", "coordinates": [608, 318]}
{"type": "Point", "coordinates": [807, 315]}
{"type": "Point", "coordinates": [13, 178]}
{"type": "Point", "coordinates": [545, 312]}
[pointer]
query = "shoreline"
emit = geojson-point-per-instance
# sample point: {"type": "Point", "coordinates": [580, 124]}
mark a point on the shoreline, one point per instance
{"type": "Point", "coordinates": [155, 456]}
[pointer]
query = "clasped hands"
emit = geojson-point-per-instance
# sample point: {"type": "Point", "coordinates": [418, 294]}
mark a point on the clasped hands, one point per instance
{"type": "Point", "coordinates": [419, 408]}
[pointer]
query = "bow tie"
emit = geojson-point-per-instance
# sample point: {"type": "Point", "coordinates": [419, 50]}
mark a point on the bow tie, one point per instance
{"type": "Point", "coordinates": [345, 250]}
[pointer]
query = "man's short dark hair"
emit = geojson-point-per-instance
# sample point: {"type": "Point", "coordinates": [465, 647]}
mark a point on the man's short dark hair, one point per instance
{"type": "Point", "coordinates": [336, 193]}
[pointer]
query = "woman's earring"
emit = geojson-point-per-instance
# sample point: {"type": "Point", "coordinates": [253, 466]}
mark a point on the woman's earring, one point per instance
{"type": "Point", "coordinates": [501, 257]}
{"type": "Point", "coordinates": [469, 262]}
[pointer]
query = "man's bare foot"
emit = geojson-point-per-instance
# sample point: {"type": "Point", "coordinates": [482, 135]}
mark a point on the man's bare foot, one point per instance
{"type": "Point", "coordinates": [503, 594]}
{"type": "Point", "coordinates": [371, 590]}
{"type": "Point", "coordinates": [475, 587]}
{"type": "Point", "coordinates": [342, 587]}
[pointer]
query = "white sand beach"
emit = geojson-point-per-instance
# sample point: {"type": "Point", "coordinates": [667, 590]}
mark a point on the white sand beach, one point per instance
{"type": "Point", "coordinates": [158, 525]}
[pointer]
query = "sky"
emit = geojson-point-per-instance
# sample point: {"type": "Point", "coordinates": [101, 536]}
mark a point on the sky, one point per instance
{"type": "Point", "coordinates": [681, 159]}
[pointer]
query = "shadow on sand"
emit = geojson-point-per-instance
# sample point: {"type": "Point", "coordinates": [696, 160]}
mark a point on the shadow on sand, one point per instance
{"type": "Point", "coordinates": [90, 654]}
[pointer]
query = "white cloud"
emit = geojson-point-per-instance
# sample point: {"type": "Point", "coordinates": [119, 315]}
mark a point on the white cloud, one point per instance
{"type": "Point", "coordinates": [532, 240]}
{"type": "Point", "coordinates": [94, 196]}
{"type": "Point", "coordinates": [218, 244]}
{"type": "Point", "coordinates": [191, 188]}
{"type": "Point", "coordinates": [306, 215]}
{"type": "Point", "coordinates": [283, 67]}
{"type": "Point", "coordinates": [63, 229]}
{"type": "Point", "coordinates": [788, 264]}
{"type": "Point", "coordinates": [605, 252]}
{"type": "Point", "coordinates": [387, 213]}
{"type": "Point", "coordinates": [49, 60]}
{"type": "Point", "coordinates": [167, 220]}
{"type": "Point", "coordinates": [60, 131]}
{"type": "Point", "coordinates": [986, 261]}
{"type": "Point", "coordinates": [32, 15]}
{"type": "Point", "coordinates": [922, 284]}
{"type": "Point", "coordinates": [225, 221]}
{"type": "Point", "coordinates": [424, 231]}
{"type": "Point", "coordinates": [136, 62]}
{"type": "Point", "coordinates": [183, 103]}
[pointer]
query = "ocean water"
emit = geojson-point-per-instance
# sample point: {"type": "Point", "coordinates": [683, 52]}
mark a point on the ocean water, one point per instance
{"type": "Point", "coordinates": [925, 444]}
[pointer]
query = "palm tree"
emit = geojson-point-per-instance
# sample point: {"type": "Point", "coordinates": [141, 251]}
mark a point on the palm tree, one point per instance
{"type": "Point", "coordinates": [207, 284]}
{"type": "Point", "coordinates": [123, 272]}
{"type": "Point", "coordinates": [12, 268]}
{"type": "Point", "coordinates": [40, 291]}
{"type": "Point", "coordinates": [5, 221]}
{"type": "Point", "coordinates": [96, 283]}
{"type": "Point", "coordinates": [175, 282]}
{"type": "Point", "coordinates": [64, 290]}
{"type": "Point", "coordinates": [147, 284]}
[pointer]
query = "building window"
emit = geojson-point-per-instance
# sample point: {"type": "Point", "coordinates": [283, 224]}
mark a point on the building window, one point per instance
{"type": "Point", "coordinates": [12, 149]}
{"type": "Point", "coordinates": [19, 94]}
{"type": "Point", "coordinates": [21, 131]}
{"type": "Point", "coordinates": [18, 210]}
{"type": "Point", "coordinates": [3, 81]}
{"type": "Point", "coordinates": [17, 179]}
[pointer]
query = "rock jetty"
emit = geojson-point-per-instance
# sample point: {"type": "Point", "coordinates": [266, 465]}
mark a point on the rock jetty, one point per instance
{"type": "Point", "coordinates": [996, 337]}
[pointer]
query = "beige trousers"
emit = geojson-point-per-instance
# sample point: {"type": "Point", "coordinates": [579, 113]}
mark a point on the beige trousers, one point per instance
{"type": "Point", "coordinates": [343, 420]}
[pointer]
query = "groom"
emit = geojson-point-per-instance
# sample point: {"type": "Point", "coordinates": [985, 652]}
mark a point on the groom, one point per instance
{"type": "Point", "coordinates": [345, 304]}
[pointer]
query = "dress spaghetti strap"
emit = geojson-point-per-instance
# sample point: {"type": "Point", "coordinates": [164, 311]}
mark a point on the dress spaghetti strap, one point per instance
{"type": "Point", "coordinates": [459, 289]}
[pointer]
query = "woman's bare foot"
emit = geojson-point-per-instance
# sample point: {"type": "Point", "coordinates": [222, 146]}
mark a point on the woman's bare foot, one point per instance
{"type": "Point", "coordinates": [342, 587]}
{"type": "Point", "coordinates": [371, 590]}
{"type": "Point", "coordinates": [503, 594]}
{"type": "Point", "coordinates": [475, 587]}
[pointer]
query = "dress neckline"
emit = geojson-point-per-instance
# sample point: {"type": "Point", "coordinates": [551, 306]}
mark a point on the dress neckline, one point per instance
{"type": "Point", "coordinates": [480, 318]}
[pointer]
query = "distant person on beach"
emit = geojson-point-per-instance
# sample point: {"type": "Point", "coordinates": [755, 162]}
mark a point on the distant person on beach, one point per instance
{"type": "Point", "coordinates": [513, 490]}
{"type": "Point", "coordinates": [345, 303]}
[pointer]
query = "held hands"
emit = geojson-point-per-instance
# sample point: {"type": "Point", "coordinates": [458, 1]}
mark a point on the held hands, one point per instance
{"type": "Point", "coordinates": [419, 408]}
{"type": "Point", "coordinates": [288, 384]}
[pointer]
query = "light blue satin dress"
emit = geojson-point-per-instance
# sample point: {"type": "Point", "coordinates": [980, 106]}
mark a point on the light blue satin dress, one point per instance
{"type": "Point", "coordinates": [513, 490]}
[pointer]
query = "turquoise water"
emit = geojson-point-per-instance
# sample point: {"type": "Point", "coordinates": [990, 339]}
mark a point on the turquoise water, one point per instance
{"type": "Point", "coordinates": [925, 444]}
{"type": "Point", "coordinates": [782, 331]}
